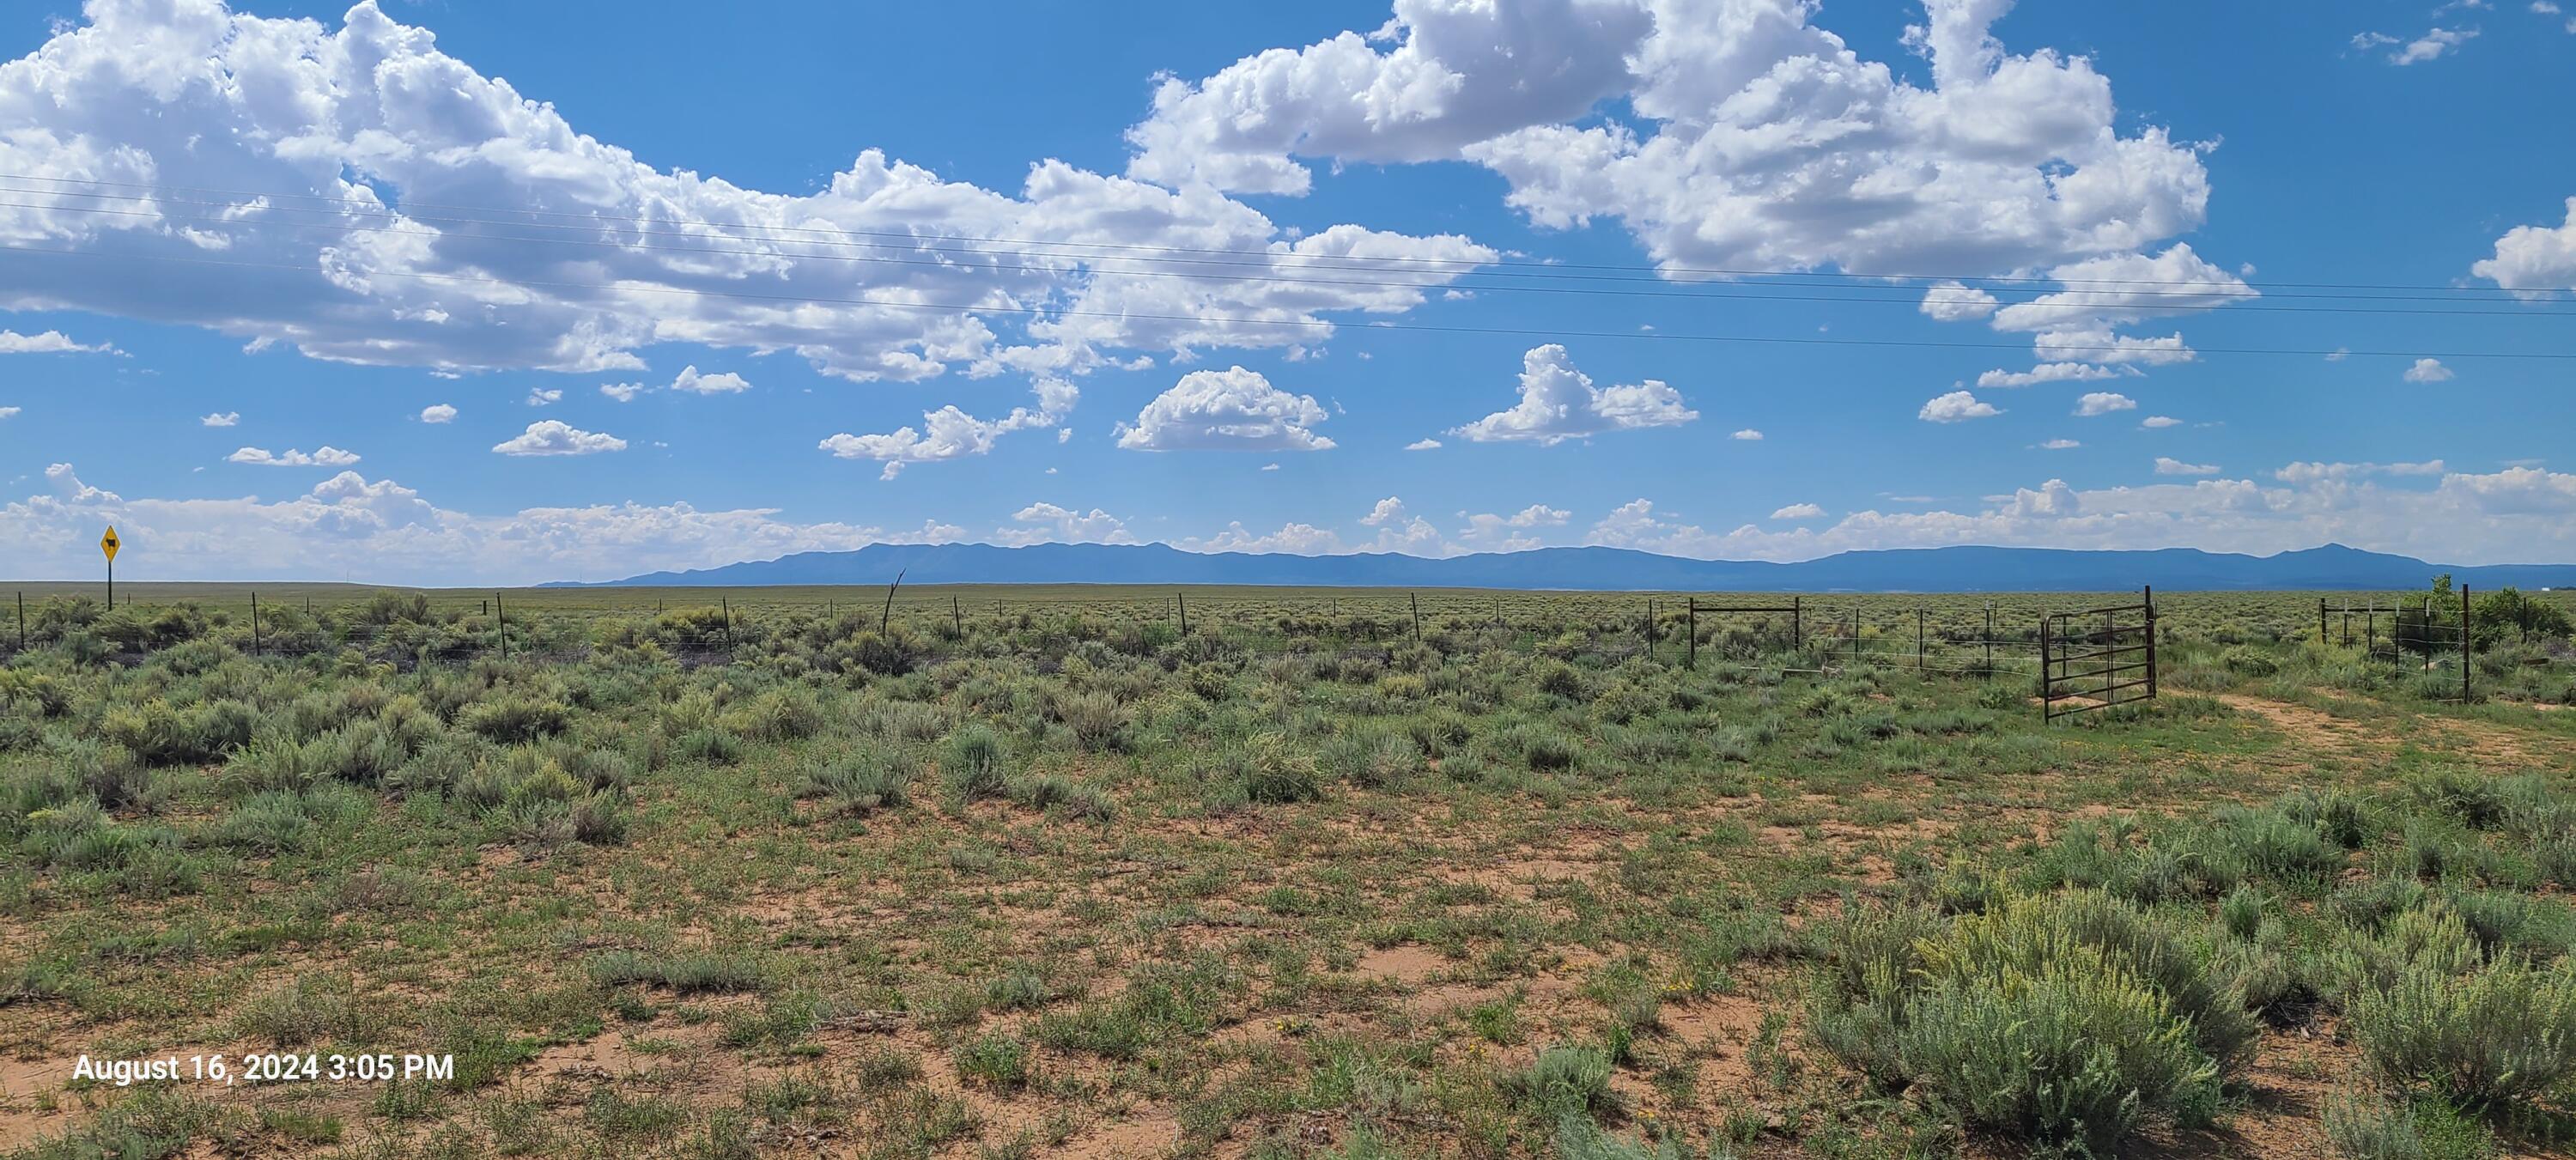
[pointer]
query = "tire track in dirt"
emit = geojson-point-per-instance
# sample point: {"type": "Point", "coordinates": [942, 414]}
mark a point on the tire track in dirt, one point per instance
{"type": "Point", "coordinates": [2486, 742]}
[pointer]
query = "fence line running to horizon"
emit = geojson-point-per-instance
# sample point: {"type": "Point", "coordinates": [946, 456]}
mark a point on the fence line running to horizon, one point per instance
{"type": "Point", "coordinates": [1952, 638]}
{"type": "Point", "coordinates": [1968, 635]}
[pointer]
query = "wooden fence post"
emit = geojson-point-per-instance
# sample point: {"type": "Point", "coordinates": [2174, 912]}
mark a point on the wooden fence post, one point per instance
{"type": "Point", "coordinates": [255, 650]}
{"type": "Point", "coordinates": [725, 604]}
{"type": "Point", "coordinates": [1184, 602]}
{"type": "Point", "coordinates": [500, 623]}
{"type": "Point", "coordinates": [1918, 640]}
{"type": "Point", "coordinates": [958, 610]}
{"type": "Point", "coordinates": [1417, 616]}
{"type": "Point", "coordinates": [1690, 659]}
{"type": "Point", "coordinates": [1797, 625]}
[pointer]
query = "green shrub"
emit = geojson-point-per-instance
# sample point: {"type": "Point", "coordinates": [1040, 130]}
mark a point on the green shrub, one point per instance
{"type": "Point", "coordinates": [2504, 1031]}
{"type": "Point", "coordinates": [1097, 719]}
{"type": "Point", "coordinates": [2065, 1019]}
{"type": "Point", "coordinates": [1274, 769]}
{"type": "Point", "coordinates": [271, 822]}
{"type": "Point", "coordinates": [114, 775]}
{"type": "Point", "coordinates": [862, 781]}
{"type": "Point", "coordinates": [541, 820]}
{"type": "Point", "coordinates": [512, 719]}
{"type": "Point", "coordinates": [696, 972]}
{"type": "Point", "coordinates": [162, 735]}
{"type": "Point", "coordinates": [2366, 1127]}
{"type": "Point", "coordinates": [995, 1059]}
{"type": "Point", "coordinates": [712, 746]}
{"type": "Point", "coordinates": [1370, 758]}
{"type": "Point", "coordinates": [1565, 1081]}
{"type": "Point", "coordinates": [2431, 937]}
{"type": "Point", "coordinates": [1074, 798]}
{"type": "Point", "coordinates": [972, 764]}
{"type": "Point", "coordinates": [2245, 661]}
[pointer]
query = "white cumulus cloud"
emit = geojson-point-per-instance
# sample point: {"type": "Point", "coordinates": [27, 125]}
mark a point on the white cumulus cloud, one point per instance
{"type": "Point", "coordinates": [2104, 403]}
{"type": "Point", "coordinates": [2534, 260]}
{"type": "Point", "coordinates": [1558, 402]}
{"type": "Point", "coordinates": [556, 437]}
{"type": "Point", "coordinates": [1956, 407]}
{"type": "Point", "coordinates": [949, 433]}
{"type": "Point", "coordinates": [323, 456]}
{"type": "Point", "coordinates": [1047, 523]}
{"type": "Point", "coordinates": [438, 413]}
{"type": "Point", "coordinates": [51, 341]}
{"type": "Point", "coordinates": [1758, 141]}
{"type": "Point", "coordinates": [346, 143]}
{"type": "Point", "coordinates": [2428, 370]}
{"type": "Point", "coordinates": [1228, 410]}
{"type": "Point", "coordinates": [220, 419]}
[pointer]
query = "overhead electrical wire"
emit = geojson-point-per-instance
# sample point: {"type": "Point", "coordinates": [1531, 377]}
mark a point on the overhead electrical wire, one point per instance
{"type": "Point", "coordinates": [1044, 312]}
{"type": "Point", "coordinates": [913, 240]}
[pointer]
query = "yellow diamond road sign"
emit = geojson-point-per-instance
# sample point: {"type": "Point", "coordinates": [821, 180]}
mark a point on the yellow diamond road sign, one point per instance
{"type": "Point", "coordinates": [109, 543]}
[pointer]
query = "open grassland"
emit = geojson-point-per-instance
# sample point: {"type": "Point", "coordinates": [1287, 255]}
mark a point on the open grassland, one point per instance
{"type": "Point", "coordinates": [1061, 879]}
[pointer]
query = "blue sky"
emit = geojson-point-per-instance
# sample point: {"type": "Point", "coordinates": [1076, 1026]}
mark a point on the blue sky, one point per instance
{"type": "Point", "coordinates": [256, 255]}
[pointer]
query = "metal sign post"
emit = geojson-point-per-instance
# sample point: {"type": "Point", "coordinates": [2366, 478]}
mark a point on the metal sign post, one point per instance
{"type": "Point", "coordinates": [109, 544]}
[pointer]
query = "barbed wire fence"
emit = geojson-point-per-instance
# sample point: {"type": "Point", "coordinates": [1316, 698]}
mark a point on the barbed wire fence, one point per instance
{"type": "Point", "coordinates": [1970, 637]}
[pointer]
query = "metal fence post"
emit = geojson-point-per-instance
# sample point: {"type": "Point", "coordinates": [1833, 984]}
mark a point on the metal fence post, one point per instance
{"type": "Point", "coordinates": [1990, 640]}
{"type": "Point", "coordinates": [2464, 644]}
{"type": "Point", "coordinates": [1918, 640]}
{"type": "Point", "coordinates": [2047, 670]}
{"type": "Point", "coordinates": [2150, 593]}
{"type": "Point", "coordinates": [1797, 625]}
{"type": "Point", "coordinates": [1690, 658]}
{"type": "Point", "coordinates": [2321, 620]}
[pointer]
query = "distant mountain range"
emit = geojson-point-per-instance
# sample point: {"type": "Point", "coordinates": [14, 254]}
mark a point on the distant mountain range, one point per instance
{"type": "Point", "coordinates": [1952, 569]}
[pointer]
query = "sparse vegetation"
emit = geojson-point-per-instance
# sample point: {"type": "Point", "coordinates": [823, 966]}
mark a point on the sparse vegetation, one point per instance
{"type": "Point", "coordinates": [1296, 883]}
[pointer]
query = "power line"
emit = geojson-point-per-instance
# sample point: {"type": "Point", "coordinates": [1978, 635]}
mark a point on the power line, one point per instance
{"type": "Point", "coordinates": [1540, 268]}
{"type": "Point", "coordinates": [2058, 300]}
{"type": "Point", "coordinates": [964, 308]}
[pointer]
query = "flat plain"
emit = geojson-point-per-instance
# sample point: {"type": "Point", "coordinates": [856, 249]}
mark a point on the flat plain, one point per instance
{"type": "Point", "coordinates": [1034, 871]}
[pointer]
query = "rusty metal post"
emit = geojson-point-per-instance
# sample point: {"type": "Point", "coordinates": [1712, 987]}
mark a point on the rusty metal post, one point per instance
{"type": "Point", "coordinates": [2464, 644]}
{"type": "Point", "coordinates": [2150, 591]}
